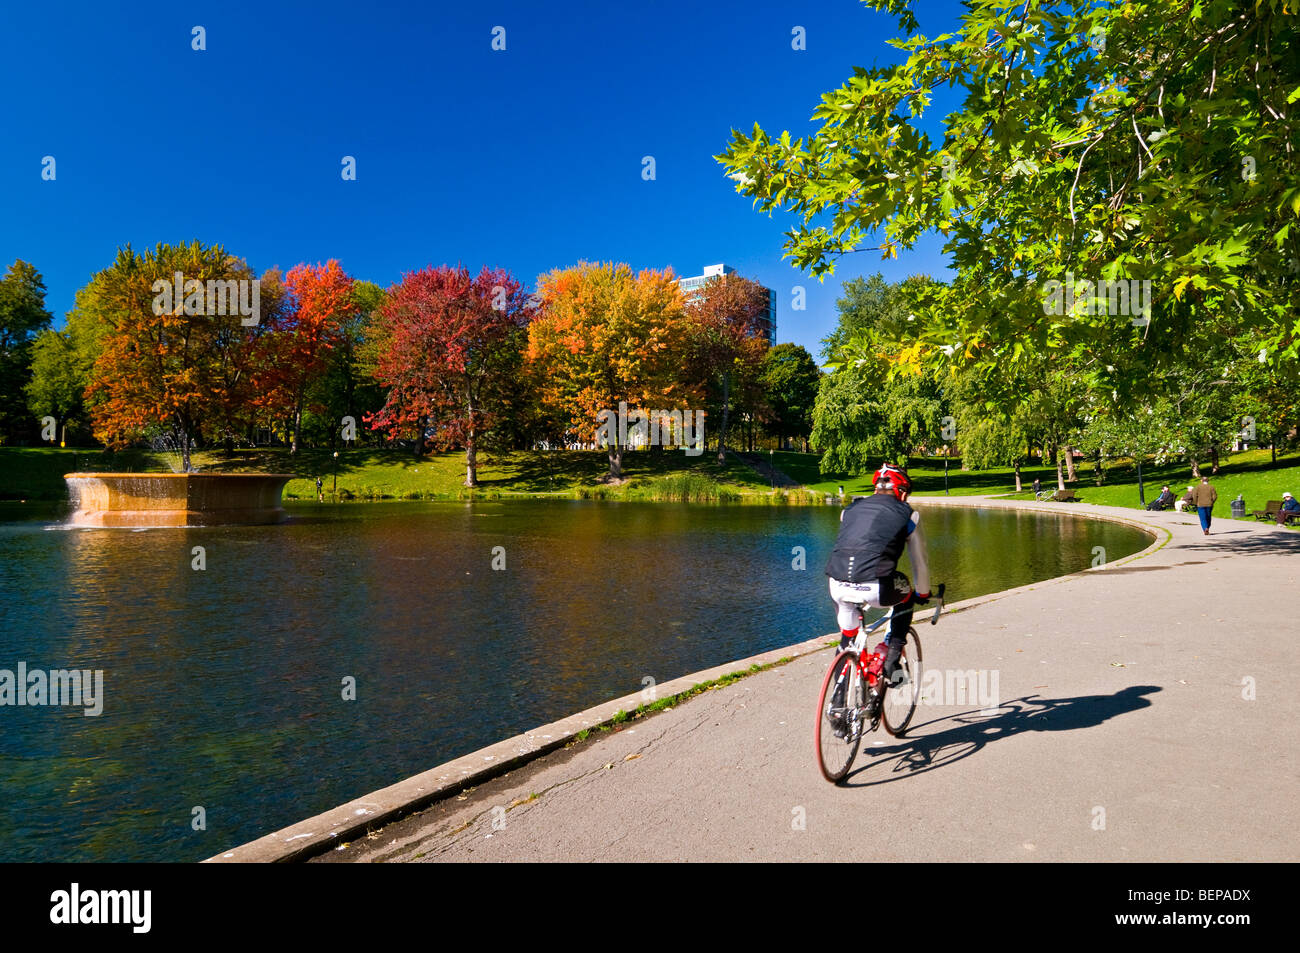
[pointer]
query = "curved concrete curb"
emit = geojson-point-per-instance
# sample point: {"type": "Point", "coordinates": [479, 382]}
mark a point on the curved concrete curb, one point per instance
{"type": "Point", "coordinates": [325, 831]}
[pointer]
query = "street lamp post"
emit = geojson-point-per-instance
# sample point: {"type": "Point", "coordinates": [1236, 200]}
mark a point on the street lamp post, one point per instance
{"type": "Point", "coordinates": [336, 476]}
{"type": "Point", "coordinates": [945, 469]}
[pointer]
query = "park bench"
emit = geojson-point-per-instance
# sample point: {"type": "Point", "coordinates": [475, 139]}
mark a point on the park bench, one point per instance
{"type": "Point", "coordinates": [1057, 496]}
{"type": "Point", "coordinates": [1273, 513]}
{"type": "Point", "coordinates": [1269, 512]}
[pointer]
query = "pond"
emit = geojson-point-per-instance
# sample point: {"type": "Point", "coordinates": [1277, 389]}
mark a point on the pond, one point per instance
{"type": "Point", "coordinates": [223, 686]}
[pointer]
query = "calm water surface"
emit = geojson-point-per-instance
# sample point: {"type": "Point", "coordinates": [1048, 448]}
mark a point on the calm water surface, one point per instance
{"type": "Point", "coordinates": [223, 687]}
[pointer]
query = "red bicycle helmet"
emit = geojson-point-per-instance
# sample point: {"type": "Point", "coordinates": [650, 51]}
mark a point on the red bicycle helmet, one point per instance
{"type": "Point", "coordinates": [892, 478]}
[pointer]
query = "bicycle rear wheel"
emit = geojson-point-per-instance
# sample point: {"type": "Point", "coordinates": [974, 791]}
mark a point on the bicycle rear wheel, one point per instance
{"type": "Point", "coordinates": [839, 719]}
{"type": "Point", "coordinates": [900, 703]}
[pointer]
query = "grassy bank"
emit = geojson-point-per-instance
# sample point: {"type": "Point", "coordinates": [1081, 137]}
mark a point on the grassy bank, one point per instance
{"type": "Point", "coordinates": [36, 473]}
{"type": "Point", "coordinates": [1250, 473]}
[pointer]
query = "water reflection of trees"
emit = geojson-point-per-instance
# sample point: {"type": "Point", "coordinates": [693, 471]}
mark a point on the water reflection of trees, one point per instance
{"type": "Point", "coordinates": [228, 679]}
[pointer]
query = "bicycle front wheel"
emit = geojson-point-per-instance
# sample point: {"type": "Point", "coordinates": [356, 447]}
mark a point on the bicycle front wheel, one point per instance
{"type": "Point", "coordinates": [901, 701]}
{"type": "Point", "coordinates": [839, 716]}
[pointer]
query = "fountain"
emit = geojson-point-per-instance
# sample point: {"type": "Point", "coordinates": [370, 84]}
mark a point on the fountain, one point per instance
{"type": "Point", "coordinates": [176, 499]}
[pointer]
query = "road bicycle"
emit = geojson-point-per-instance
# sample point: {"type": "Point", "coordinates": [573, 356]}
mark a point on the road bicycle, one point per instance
{"type": "Point", "coordinates": [856, 699]}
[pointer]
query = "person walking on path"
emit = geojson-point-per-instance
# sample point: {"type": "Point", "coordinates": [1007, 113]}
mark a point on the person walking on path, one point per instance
{"type": "Point", "coordinates": [1203, 498]}
{"type": "Point", "coordinates": [320, 492]}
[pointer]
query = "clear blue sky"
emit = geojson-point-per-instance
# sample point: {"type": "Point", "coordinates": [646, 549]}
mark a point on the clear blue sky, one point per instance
{"type": "Point", "coordinates": [528, 158]}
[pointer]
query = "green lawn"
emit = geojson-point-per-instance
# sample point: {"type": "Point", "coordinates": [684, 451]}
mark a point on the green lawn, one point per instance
{"type": "Point", "coordinates": [1249, 473]}
{"type": "Point", "coordinates": [36, 473]}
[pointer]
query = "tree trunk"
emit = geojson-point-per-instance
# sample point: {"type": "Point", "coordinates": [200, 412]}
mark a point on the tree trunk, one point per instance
{"type": "Point", "coordinates": [471, 461]}
{"type": "Point", "coordinates": [1214, 459]}
{"type": "Point", "coordinates": [1100, 473]}
{"type": "Point", "coordinates": [297, 426]}
{"type": "Point", "coordinates": [1196, 468]}
{"type": "Point", "coordinates": [1068, 452]}
{"type": "Point", "coordinates": [1060, 477]}
{"type": "Point", "coordinates": [726, 411]}
{"type": "Point", "coordinates": [1019, 488]}
{"type": "Point", "coordinates": [615, 461]}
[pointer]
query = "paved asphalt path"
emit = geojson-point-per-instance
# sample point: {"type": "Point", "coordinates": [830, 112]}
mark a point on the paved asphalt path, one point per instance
{"type": "Point", "coordinates": [1147, 711]}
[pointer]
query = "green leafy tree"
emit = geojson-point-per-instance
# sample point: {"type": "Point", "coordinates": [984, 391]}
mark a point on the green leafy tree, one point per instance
{"type": "Point", "coordinates": [22, 318]}
{"type": "Point", "coordinates": [1137, 432]}
{"type": "Point", "coordinates": [1270, 399]}
{"type": "Point", "coordinates": [872, 309]}
{"type": "Point", "coordinates": [867, 410]}
{"type": "Point", "coordinates": [990, 433]}
{"type": "Point", "coordinates": [348, 387]}
{"type": "Point", "coordinates": [1136, 140]}
{"type": "Point", "coordinates": [790, 379]}
{"type": "Point", "coordinates": [55, 387]}
{"type": "Point", "coordinates": [1053, 412]}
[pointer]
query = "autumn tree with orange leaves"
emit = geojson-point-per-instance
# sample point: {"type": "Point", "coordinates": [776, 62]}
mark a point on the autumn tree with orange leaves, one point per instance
{"type": "Point", "coordinates": [448, 348]}
{"type": "Point", "coordinates": [606, 335]}
{"type": "Point", "coordinates": [166, 362]}
{"type": "Point", "coordinates": [294, 349]}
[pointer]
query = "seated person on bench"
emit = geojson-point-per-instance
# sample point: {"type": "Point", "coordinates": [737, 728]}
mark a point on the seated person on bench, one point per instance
{"type": "Point", "coordinates": [1163, 502]}
{"type": "Point", "coordinates": [1289, 506]}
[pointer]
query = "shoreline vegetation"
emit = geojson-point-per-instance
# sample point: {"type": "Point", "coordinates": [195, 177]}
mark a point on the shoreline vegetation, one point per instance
{"type": "Point", "coordinates": [383, 475]}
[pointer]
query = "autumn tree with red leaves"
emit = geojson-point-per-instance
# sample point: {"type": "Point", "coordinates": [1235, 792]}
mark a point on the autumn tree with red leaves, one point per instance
{"type": "Point", "coordinates": [726, 318]}
{"type": "Point", "coordinates": [294, 350]}
{"type": "Point", "coordinates": [447, 347]}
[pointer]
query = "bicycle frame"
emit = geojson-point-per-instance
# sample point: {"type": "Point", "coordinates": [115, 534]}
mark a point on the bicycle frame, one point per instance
{"type": "Point", "coordinates": [860, 676]}
{"type": "Point", "coordinates": [859, 645]}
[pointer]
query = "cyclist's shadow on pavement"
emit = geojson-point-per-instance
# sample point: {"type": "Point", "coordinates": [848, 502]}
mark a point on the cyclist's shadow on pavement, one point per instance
{"type": "Point", "coordinates": [918, 752]}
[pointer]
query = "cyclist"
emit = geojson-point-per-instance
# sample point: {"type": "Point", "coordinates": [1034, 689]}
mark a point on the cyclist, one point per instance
{"type": "Point", "coordinates": [863, 565]}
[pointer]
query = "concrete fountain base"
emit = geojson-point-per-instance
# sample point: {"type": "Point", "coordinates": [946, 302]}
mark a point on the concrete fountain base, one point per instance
{"type": "Point", "coordinates": [176, 499]}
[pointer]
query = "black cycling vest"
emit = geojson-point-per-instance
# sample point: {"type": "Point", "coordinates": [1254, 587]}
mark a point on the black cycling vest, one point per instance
{"type": "Point", "coordinates": [871, 539]}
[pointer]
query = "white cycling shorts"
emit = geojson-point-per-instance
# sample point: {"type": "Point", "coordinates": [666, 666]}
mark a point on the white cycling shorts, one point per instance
{"type": "Point", "coordinates": [847, 596]}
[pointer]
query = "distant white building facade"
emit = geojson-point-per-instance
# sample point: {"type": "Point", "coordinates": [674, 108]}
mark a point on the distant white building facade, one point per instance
{"type": "Point", "coordinates": [693, 286]}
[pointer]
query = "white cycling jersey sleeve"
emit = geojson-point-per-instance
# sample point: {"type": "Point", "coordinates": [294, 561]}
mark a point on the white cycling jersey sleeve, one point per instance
{"type": "Point", "coordinates": [916, 551]}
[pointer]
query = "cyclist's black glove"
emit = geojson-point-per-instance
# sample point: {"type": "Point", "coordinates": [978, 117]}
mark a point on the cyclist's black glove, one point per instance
{"type": "Point", "coordinates": [922, 599]}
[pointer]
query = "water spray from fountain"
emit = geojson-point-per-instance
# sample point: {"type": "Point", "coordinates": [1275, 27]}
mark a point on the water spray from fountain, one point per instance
{"type": "Point", "coordinates": [170, 442]}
